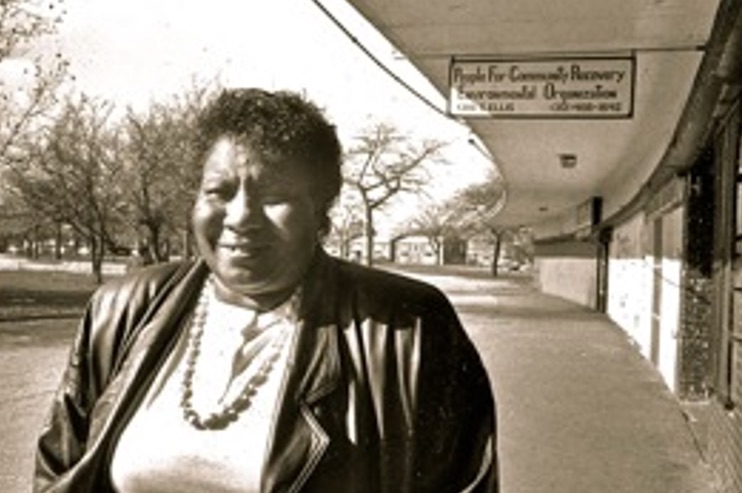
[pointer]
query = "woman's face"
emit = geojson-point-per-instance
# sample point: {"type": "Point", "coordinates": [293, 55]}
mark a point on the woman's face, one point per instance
{"type": "Point", "coordinates": [255, 223]}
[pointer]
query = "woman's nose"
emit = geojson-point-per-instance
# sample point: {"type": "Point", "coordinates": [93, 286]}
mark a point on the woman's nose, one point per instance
{"type": "Point", "coordinates": [243, 211]}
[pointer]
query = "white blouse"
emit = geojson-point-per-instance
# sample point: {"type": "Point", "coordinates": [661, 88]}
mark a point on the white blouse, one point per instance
{"type": "Point", "coordinates": [160, 452]}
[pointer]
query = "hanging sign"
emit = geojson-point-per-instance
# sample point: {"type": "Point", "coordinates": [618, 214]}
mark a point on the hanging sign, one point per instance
{"type": "Point", "coordinates": [542, 88]}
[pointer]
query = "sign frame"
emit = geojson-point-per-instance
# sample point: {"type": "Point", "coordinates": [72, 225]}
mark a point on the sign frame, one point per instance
{"type": "Point", "coordinates": [628, 62]}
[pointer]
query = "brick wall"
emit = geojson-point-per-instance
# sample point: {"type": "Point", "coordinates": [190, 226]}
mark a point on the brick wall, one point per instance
{"type": "Point", "coordinates": [694, 358]}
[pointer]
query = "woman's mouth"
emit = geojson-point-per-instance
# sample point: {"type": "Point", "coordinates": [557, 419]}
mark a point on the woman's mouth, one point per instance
{"type": "Point", "coordinates": [244, 249]}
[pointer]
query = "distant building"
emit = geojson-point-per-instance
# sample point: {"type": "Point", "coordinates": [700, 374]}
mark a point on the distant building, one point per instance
{"type": "Point", "coordinates": [357, 250]}
{"type": "Point", "coordinates": [454, 250]}
{"type": "Point", "coordinates": [415, 250]}
{"type": "Point", "coordinates": [479, 250]}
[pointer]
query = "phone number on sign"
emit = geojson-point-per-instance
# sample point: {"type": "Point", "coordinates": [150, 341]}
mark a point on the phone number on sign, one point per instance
{"type": "Point", "coordinates": [587, 107]}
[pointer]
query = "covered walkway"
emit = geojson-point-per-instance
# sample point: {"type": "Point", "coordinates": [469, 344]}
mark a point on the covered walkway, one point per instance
{"type": "Point", "coordinates": [580, 411]}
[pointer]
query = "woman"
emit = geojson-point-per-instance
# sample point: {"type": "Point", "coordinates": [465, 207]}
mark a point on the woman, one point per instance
{"type": "Point", "coordinates": [266, 365]}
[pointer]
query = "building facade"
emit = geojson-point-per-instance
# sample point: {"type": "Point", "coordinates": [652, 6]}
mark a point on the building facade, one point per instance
{"type": "Point", "coordinates": [668, 270]}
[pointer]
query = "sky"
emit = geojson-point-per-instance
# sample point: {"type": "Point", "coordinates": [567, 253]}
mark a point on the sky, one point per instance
{"type": "Point", "coordinates": [135, 51]}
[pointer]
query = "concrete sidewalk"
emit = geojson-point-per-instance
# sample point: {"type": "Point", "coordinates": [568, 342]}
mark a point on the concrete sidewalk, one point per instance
{"type": "Point", "coordinates": [580, 411]}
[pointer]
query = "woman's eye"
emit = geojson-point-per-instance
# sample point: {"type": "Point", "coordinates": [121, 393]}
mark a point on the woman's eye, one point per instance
{"type": "Point", "coordinates": [221, 191]}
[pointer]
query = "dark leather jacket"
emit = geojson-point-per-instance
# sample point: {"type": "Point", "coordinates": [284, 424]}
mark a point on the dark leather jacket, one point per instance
{"type": "Point", "coordinates": [387, 393]}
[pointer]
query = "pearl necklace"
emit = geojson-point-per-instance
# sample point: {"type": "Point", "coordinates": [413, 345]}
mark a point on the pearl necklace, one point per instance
{"type": "Point", "coordinates": [228, 412]}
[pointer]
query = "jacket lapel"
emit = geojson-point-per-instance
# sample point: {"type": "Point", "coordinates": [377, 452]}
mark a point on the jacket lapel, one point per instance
{"type": "Point", "coordinates": [299, 439]}
{"type": "Point", "coordinates": [147, 348]}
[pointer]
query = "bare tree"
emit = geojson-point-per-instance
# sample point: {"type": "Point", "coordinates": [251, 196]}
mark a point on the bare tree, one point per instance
{"type": "Point", "coordinates": [347, 224]}
{"type": "Point", "coordinates": [27, 93]}
{"type": "Point", "coordinates": [163, 169]}
{"type": "Point", "coordinates": [383, 164]}
{"type": "Point", "coordinates": [27, 81]}
{"type": "Point", "coordinates": [476, 208]}
{"type": "Point", "coordinates": [19, 223]}
{"type": "Point", "coordinates": [436, 222]}
{"type": "Point", "coordinates": [75, 176]}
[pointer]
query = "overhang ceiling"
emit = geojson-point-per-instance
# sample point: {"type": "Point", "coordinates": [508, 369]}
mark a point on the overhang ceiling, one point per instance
{"type": "Point", "coordinates": [614, 156]}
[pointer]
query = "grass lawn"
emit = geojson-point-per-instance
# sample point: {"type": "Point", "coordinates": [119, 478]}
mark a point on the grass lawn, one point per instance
{"type": "Point", "coordinates": [45, 306]}
{"type": "Point", "coordinates": [472, 272]}
{"type": "Point", "coordinates": [41, 306]}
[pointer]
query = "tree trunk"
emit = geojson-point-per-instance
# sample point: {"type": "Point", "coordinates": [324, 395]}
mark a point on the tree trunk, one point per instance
{"type": "Point", "coordinates": [369, 231]}
{"type": "Point", "coordinates": [35, 243]}
{"type": "Point", "coordinates": [496, 254]}
{"type": "Point", "coordinates": [96, 259]}
{"type": "Point", "coordinates": [438, 251]}
{"type": "Point", "coordinates": [58, 242]}
{"type": "Point", "coordinates": [166, 249]}
{"type": "Point", "coordinates": [28, 245]}
{"type": "Point", "coordinates": [77, 243]}
{"type": "Point", "coordinates": [187, 244]}
{"type": "Point", "coordinates": [153, 251]}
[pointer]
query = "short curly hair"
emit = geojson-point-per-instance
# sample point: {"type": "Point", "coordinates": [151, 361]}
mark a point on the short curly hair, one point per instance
{"type": "Point", "coordinates": [279, 125]}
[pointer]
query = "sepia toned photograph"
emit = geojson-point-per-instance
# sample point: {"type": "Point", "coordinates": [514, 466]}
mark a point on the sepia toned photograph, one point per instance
{"type": "Point", "coordinates": [366, 246]}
